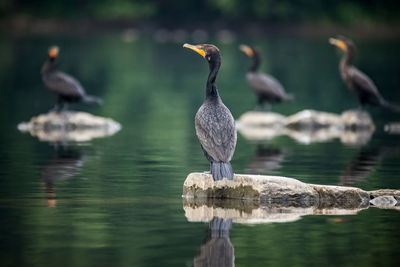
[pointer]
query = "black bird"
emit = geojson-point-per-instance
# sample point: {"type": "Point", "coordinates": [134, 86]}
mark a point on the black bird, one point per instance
{"type": "Point", "coordinates": [267, 88]}
{"type": "Point", "coordinates": [215, 126]}
{"type": "Point", "coordinates": [355, 80]}
{"type": "Point", "coordinates": [66, 87]}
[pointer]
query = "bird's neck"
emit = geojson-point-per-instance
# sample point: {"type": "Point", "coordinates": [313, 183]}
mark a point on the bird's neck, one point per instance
{"type": "Point", "coordinates": [48, 66]}
{"type": "Point", "coordinates": [347, 59]}
{"type": "Point", "coordinates": [211, 88]}
{"type": "Point", "coordinates": [256, 62]}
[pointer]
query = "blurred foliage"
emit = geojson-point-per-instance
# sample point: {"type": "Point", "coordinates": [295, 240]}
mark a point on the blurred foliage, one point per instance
{"type": "Point", "coordinates": [338, 11]}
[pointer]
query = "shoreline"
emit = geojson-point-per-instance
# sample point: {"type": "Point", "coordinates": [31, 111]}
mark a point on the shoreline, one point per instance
{"type": "Point", "coordinates": [25, 26]}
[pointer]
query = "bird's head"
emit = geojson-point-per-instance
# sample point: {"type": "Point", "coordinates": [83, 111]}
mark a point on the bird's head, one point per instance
{"type": "Point", "coordinates": [208, 51]}
{"type": "Point", "coordinates": [247, 50]}
{"type": "Point", "coordinates": [53, 52]}
{"type": "Point", "coordinates": [342, 43]}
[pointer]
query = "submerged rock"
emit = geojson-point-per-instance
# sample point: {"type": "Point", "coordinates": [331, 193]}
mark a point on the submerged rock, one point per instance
{"type": "Point", "coordinates": [69, 126]}
{"type": "Point", "coordinates": [282, 191]}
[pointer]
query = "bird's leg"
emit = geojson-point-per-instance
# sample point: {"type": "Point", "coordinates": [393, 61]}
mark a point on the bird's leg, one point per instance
{"type": "Point", "coordinates": [58, 106]}
{"type": "Point", "coordinates": [259, 106]}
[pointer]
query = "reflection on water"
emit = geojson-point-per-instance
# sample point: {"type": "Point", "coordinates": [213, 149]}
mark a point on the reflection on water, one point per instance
{"type": "Point", "coordinates": [65, 164]}
{"type": "Point", "coordinates": [217, 250]}
{"type": "Point", "coordinates": [364, 163]}
{"type": "Point", "coordinates": [266, 160]}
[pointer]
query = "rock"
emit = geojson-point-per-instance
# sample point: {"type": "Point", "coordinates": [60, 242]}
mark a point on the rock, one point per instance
{"type": "Point", "coordinates": [256, 133]}
{"type": "Point", "coordinates": [386, 192]}
{"type": "Point", "coordinates": [275, 190]}
{"type": "Point", "coordinates": [308, 126]}
{"type": "Point", "coordinates": [69, 126]}
{"type": "Point", "coordinates": [384, 201]}
{"type": "Point", "coordinates": [311, 119]}
{"type": "Point", "coordinates": [392, 128]}
{"type": "Point", "coordinates": [341, 197]}
{"type": "Point", "coordinates": [357, 120]}
{"type": "Point", "coordinates": [259, 119]}
{"type": "Point", "coordinates": [262, 189]}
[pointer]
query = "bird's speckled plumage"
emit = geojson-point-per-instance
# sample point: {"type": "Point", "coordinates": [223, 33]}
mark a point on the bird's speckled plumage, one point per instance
{"type": "Point", "coordinates": [215, 129]}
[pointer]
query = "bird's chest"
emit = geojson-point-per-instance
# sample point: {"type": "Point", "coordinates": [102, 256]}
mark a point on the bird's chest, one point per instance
{"type": "Point", "coordinates": [346, 77]}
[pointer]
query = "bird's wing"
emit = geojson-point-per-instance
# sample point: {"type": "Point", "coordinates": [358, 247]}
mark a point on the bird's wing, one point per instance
{"type": "Point", "coordinates": [64, 84]}
{"type": "Point", "coordinates": [363, 83]}
{"type": "Point", "coordinates": [215, 129]}
{"type": "Point", "coordinates": [266, 84]}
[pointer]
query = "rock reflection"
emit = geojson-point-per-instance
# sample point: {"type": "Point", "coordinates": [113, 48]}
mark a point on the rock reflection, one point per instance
{"type": "Point", "coordinates": [266, 160]}
{"type": "Point", "coordinates": [217, 250]}
{"type": "Point", "coordinates": [364, 163]}
{"type": "Point", "coordinates": [65, 164]}
{"type": "Point", "coordinates": [250, 212]}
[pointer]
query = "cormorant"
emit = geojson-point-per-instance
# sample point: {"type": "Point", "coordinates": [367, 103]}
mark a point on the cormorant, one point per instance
{"type": "Point", "coordinates": [356, 81]}
{"type": "Point", "coordinates": [66, 87]}
{"type": "Point", "coordinates": [215, 126]}
{"type": "Point", "coordinates": [267, 88]}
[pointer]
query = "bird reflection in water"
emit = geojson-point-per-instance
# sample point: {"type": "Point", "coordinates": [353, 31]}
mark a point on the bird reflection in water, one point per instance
{"type": "Point", "coordinates": [364, 163]}
{"type": "Point", "coordinates": [217, 250]}
{"type": "Point", "coordinates": [65, 164]}
{"type": "Point", "coordinates": [266, 161]}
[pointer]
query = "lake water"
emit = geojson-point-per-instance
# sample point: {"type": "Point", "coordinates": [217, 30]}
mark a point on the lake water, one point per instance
{"type": "Point", "coordinates": [116, 201]}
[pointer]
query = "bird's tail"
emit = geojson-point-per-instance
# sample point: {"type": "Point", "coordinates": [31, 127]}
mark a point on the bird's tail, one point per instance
{"type": "Point", "coordinates": [92, 99]}
{"type": "Point", "coordinates": [220, 170]}
{"type": "Point", "coordinates": [390, 106]}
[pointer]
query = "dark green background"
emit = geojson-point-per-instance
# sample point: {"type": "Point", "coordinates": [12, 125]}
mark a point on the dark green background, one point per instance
{"type": "Point", "coordinates": [123, 207]}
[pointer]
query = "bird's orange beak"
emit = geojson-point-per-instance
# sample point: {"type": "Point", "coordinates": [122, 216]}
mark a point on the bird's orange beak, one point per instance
{"type": "Point", "coordinates": [338, 43]}
{"type": "Point", "coordinates": [247, 50]}
{"type": "Point", "coordinates": [53, 51]}
{"type": "Point", "coordinates": [197, 48]}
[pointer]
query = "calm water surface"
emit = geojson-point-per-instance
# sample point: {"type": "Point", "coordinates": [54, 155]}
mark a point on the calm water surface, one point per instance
{"type": "Point", "coordinates": [117, 201]}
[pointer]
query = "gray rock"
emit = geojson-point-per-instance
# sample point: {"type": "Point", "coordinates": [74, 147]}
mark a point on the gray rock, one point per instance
{"type": "Point", "coordinates": [69, 126]}
{"type": "Point", "coordinates": [357, 120]}
{"type": "Point", "coordinates": [281, 191]}
{"type": "Point", "coordinates": [311, 119]}
{"type": "Point", "coordinates": [262, 189]}
{"type": "Point", "coordinates": [386, 192]}
{"type": "Point", "coordinates": [384, 201]}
